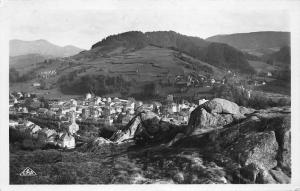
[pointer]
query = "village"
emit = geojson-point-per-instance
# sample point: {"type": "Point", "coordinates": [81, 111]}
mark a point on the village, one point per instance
{"type": "Point", "coordinates": [57, 122]}
{"type": "Point", "coordinates": [60, 122]}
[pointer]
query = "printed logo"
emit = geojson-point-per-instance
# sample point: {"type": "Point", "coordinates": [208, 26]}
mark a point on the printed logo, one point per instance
{"type": "Point", "coordinates": [28, 172]}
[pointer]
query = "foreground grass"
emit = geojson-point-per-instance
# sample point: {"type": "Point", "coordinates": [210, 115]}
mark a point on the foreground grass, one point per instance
{"type": "Point", "coordinates": [113, 165]}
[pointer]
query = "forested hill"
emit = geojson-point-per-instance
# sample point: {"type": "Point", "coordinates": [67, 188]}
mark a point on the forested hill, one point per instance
{"type": "Point", "coordinates": [217, 54]}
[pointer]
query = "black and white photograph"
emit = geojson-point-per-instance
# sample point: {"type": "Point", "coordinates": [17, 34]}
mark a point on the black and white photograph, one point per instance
{"type": "Point", "coordinates": [149, 92]}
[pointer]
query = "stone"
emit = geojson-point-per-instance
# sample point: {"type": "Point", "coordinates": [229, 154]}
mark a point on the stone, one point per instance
{"type": "Point", "coordinates": [214, 120]}
{"type": "Point", "coordinates": [280, 177]}
{"type": "Point", "coordinates": [259, 148]}
{"type": "Point", "coordinates": [264, 177]}
{"type": "Point", "coordinates": [201, 119]}
{"type": "Point", "coordinates": [282, 125]}
{"type": "Point", "coordinates": [218, 105]}
{"type": "Point", "coordinates": [100, 141]}
{"type": "Point", "coordinates": [250, 172]}
{"type": "Point", "coordinates": [179, 178]}
{"type": "Point", "coordinates": [246, 111]}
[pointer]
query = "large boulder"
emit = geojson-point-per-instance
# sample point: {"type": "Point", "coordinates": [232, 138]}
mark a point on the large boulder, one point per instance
{"type": "Point", "coordinates": [257, 148]}
{"type": "Point", "coordinates": [218, 105]}
{"type": "Point", "coordinates": [203, 119]}
{"type": "Point", "coordinates": [281, 125]}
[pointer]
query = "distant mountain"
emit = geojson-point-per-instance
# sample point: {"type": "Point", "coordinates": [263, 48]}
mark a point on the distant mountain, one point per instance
{"type": "Point", "coordinates": [23, 61]}
{"type": "Point", "coordinates": [257, 43]}
{"type": "Point", "coordinates": [227, 57]}
{"type": "Point", "coordinates": [41, 47]}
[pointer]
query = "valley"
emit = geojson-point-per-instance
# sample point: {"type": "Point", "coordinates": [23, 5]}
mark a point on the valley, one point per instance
{"type": "Point", "coordinates": [153, 107]}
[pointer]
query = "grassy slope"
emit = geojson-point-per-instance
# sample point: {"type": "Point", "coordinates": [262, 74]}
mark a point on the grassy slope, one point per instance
{"type": "Point", "coordinates": [144, 65]}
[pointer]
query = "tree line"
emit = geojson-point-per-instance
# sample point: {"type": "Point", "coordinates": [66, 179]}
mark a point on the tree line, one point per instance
{"type": "Point", "coordinates": [100, 85]}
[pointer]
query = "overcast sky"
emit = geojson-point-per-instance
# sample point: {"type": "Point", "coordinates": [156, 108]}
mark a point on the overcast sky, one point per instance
{"type": "Point", "coordinates": [83, 24]}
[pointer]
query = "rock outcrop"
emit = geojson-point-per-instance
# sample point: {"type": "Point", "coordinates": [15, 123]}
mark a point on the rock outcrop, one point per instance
{"type": "Point", "coordinates": [216, 113]}
{"type": "Point", "coordinates": [255, 149]}
{"type": "Point", "coordinates": [250, 146]}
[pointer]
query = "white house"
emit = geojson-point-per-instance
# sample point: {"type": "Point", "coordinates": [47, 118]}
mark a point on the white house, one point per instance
{"type": "Point", "coordinates": [98, 100]}
{"type": "Point", "coordinates": [35, 129]}
{"type": "Point", "coordinates": [88, 96]}
{"type": "Point", "coordinates": [172, 108]}
{"type": "Point", "coordinates": [13, 123]}
{"type": "Point", "coordinates": [269, 74]}
{"type": "Point", "coordinates": [73, 127]}
{"type": "Point", "coordinates": [249, 94]}
{"type": "Point", "coordinates": [130, 105]}
{"type": "Point", "coordinates": [108, 99]}
{"type": "Point", "coordinates": [73, 102]}
{"type": "Point", "coordinates": [67, 141]}
{"type": "Point", "coordinates": [36, 84]}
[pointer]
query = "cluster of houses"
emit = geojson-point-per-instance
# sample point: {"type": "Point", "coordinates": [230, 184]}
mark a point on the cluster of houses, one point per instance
{"type": "Point", "coordinates": [196, 80]}
{"type": "Point", "coordinates": [67, 114]}
{"type": "Point", "coordinates": [47, 74]}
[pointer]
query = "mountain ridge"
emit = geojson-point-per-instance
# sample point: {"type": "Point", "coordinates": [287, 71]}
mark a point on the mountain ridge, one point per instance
{"type": "Point", "coordinates": [43, 47]}
{"type": "Point", "coordinates": [260, 42]}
